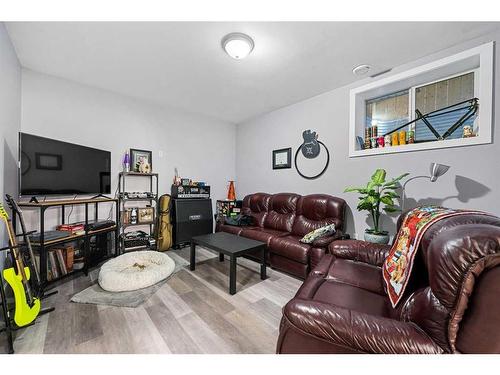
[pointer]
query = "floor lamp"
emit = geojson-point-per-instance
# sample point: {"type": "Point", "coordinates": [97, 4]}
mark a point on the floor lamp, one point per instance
{"type": "Point", "coordinates": [436, 169]}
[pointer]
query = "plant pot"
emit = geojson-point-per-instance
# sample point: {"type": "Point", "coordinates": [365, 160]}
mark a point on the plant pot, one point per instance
{"type": "Point", "coordinates": [381, 238]}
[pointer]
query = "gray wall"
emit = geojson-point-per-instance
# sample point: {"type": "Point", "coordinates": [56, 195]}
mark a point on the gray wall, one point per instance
{"type": "Point", "coordinates": [202, 148]}
{"type": "Point", "coordinates": [10, 115]}
{"type": "Point", "coordinates": [473, 180]}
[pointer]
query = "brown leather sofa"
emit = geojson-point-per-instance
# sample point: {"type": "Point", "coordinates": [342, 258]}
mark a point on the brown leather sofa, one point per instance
{"type": "Point", "coordinates": [451, 305]}
{"type": "Point", "coordinates": [281, 220]}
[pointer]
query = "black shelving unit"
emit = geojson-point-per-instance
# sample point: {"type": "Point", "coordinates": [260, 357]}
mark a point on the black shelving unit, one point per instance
{"type": "Point", "coordinates": [123, 199]}
{"type": "Point", "coordinates": [42, 246]}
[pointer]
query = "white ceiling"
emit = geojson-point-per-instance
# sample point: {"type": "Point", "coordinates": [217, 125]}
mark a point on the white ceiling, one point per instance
{"type": "Point", "coordinates": [181, 64]}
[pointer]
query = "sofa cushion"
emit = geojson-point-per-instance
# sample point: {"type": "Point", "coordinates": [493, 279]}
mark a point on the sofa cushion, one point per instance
{"type": "Point", "coordinates": [290, 247]}
{"type": "Point", "coordinates": [230, 229]}
{"type": "Point", "coordinates": [256, 205]}
{"type": "Point", "coordinates": [262, 234]}
{"type": "Point", "coordinates": [281, 214]}
{"type": "Point", "coordinates": [317, 210]}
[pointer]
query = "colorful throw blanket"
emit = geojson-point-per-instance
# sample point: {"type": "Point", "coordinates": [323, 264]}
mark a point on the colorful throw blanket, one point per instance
{"type": "Point", "coordinates": [399, 263]}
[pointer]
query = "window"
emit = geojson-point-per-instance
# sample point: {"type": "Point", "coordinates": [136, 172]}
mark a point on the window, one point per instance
{"type": "Point", "coordinates": [431, 103]}
{"type": "Point", "coordinates": [388, 112]}
{"type": "Point", "coordinates": [445, 101]}
{"type": "Point", "coordinates": [436, 96]}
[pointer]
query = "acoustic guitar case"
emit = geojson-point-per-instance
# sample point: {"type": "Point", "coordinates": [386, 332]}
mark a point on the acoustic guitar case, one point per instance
{"type": "Point", "coordinates": [163, 228]}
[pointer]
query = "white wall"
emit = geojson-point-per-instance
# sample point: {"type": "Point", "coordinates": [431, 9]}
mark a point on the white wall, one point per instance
{"type": "Point", "coordinates": [473, 180]}
{"type": "Point", "coordinates": [10, 115]}
{"type": "Point", "coordinates": [202, 148]}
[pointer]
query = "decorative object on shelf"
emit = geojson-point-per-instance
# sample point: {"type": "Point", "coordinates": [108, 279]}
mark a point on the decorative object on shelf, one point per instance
{"type": "Point", "coordinates": [402, 137]}
{"type": "Point", "coordinates": [361, 142]}
{"type": "Point", "coordinates": [387, 141]}
{"type": "Point", "coordinates": [467, 132]}
{"type": "Point", "coordinates": [368, 136]}
{"type": "Point", "coordinates": [436, 171]}
{"type": "Point", "coordinates": [141, 160]}
{"type": "Point", "coordinates": [133, 215]}
{"type": "Point", "coordinates": [282, 158]}
{"type": "Point", "coordinates": [311, 148]}
{"type": "Point", "coordinates": [395, 139]}
{"type": "Point", "coordinates": [231, 193]}
{"type": "Point", "coordinates": [381, 141]}
{"type": "Point", "coordinates": [374, 142]}
{"type": "Point", "coordinates": [126, 162]}
{"type": "Point", "coordinates": [376, 193]}
{"type": "Point", "coordinates": [146, 215]}
{"type": "Point", "coordinates": [411, 137]}
{"type": "Point", "coordinates": [177, 179]}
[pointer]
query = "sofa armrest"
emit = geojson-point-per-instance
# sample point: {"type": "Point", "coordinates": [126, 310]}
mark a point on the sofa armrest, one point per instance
{"type": "Point", "coordinates": [327, 240]}
{"type": "Point", "coordinates": [361, 251]}
{"type": "Point", "coordinates": [358, 331]}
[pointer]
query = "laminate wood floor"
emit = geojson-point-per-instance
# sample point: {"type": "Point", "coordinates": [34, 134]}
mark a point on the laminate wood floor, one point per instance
{"type": "Point", "coordinates": [192, 313]}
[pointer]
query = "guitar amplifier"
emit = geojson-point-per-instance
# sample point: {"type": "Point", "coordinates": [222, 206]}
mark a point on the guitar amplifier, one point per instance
{"type": "Point", "coordinates": [190, 192]}
{"type": "Point", "coordinates": [190, 217]}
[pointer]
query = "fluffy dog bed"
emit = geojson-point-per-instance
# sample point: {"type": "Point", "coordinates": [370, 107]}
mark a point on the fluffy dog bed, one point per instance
{"type": "Point", "coordinates": [135, 270]}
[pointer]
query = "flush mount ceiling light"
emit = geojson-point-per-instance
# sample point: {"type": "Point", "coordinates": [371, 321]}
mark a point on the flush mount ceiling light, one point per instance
{"type": "Point", "coordinates": [361, 70]}
{"type": "Point", "coordinates": [237, 45]}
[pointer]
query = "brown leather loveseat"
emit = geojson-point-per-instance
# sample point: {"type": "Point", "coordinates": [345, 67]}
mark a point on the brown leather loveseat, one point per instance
{"type": "Point", "coordinates": [451, 305]}
{"type": "Point", "coordinates": [281, 220]}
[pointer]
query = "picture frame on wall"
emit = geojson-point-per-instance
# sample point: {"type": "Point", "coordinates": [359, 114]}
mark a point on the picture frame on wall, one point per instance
{"type": "Point", "coordinates": [141, 161]}
{"type": "Point", "coordinates": [282, 158]}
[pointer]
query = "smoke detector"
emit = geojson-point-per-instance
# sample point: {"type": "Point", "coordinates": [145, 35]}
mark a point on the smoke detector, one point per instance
{"type": "Point", "coordinates": [361, 70]}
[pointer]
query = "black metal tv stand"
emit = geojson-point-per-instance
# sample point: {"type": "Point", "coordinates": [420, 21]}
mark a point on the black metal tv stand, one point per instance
{"type": "Point", "coordinates": [42, 244]}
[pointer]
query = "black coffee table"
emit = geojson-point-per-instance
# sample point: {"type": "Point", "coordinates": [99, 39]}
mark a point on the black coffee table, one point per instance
{"type": "Point", "coordinates": [233, 246]}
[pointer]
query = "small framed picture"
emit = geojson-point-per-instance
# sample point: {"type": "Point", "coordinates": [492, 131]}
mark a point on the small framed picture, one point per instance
{"type": "Point", "coordinates": [141, 161]}
{"type": "Point", "coordinates": [282, 158]}
{"type": "Point", "coordinates": [146, 214]}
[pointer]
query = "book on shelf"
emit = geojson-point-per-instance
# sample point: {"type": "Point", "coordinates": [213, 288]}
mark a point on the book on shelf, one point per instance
{"type": "Point", "coordinates": [53, 264]}
{"type": "Point", "coordinates": [60, 261]}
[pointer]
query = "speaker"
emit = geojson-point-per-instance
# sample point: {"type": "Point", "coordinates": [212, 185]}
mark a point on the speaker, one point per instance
{"type": "Point", "coordinates": [190, 217]}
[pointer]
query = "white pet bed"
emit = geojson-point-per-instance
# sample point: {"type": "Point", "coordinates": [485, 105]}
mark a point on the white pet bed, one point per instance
{"type": "Point", "coordinates": [135, 270]}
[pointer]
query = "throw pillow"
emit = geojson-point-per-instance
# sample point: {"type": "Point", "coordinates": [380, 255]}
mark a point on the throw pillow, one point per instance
{"type": "Point", "coordinates": [310, 237]}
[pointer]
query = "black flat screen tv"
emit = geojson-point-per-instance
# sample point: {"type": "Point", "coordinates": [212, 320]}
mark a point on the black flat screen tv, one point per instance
{"type": "Point", "coordinates": [51, 167]}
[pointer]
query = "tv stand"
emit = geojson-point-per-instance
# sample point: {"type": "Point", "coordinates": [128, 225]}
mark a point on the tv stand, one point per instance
{"type": "Point", "coordinates": [43, 245]}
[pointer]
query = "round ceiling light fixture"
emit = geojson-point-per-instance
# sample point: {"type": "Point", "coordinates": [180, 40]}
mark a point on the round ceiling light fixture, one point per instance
{"type": "Point", "coordinates": [361, 70]}
{"type": "Point", "coordinates": [237, 45]}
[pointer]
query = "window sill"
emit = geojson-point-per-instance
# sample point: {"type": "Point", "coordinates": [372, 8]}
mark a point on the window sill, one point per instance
{"type": "Point", "coordinates": [421, 146]}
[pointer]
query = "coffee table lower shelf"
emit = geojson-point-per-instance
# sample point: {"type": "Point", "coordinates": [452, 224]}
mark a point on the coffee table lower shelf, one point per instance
{"type": "Point", "coordinates": [233, 246]}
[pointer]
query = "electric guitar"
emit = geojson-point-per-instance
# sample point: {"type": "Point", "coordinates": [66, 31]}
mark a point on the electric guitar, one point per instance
{"type": "Point", "coordinates": [27, 307]}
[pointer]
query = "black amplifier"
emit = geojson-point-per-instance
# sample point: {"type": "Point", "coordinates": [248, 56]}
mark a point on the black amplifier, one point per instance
{"type": "Point", "coordinates": [190, 192]}
{"type": "Point", "coordinates": [190, 217]}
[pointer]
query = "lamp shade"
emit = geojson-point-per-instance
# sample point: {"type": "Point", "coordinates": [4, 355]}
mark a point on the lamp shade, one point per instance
{"type": "Point", "coordinates": [437, 170]}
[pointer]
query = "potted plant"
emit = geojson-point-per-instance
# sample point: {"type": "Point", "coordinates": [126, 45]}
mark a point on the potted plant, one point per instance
{"type": "Point", "coordinates": [376, 195]}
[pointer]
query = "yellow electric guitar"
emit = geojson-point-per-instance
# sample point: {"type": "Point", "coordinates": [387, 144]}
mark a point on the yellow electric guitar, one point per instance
{"type": "Point", "coordinates": [27, 307]}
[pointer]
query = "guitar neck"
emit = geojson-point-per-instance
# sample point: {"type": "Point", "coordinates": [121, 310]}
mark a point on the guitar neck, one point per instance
{"type": "Point", "coordinates": [15, 249]}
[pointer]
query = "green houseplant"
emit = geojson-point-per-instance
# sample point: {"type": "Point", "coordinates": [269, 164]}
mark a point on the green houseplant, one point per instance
{"type": "Point", "coordinates": [378, 194]}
